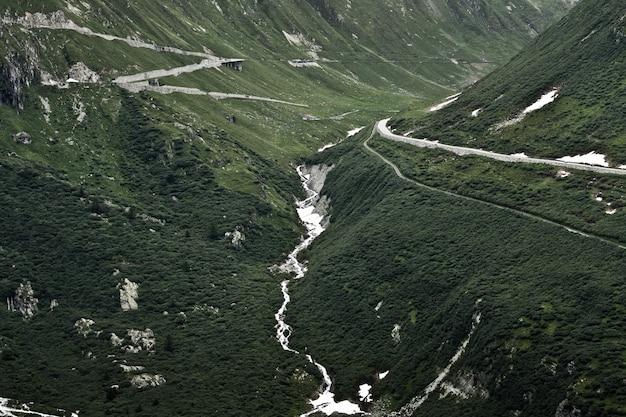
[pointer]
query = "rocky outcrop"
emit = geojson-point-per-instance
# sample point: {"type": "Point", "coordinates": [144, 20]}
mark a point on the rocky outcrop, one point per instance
{"type": "Point", "coordinates": [23, 138]}
{"type": "Point", "coordinates": [83, 326]}
{"type": "Point", "coordinates": [236, 237]}
{"type": "Point", "coordinates": [147, 380]}
{"type": "Point", "coordinates": [140, 340]}
{"type": "Point", "coordinates": [24, 301]}
{"type": "Point", "coordinates": [128, 295]}
{"type": "Point", "coordinates": [79, 72]}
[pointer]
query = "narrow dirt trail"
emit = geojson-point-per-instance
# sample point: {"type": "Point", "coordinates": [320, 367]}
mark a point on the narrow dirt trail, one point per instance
{"type": "Point", "coordinates": [535, 217]}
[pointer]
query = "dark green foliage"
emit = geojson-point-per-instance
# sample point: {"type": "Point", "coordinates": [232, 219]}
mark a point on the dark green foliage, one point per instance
{"type": "Point", "coordinates": [548, 297]}
{"type": "Point", "coordinates": [146, 187]}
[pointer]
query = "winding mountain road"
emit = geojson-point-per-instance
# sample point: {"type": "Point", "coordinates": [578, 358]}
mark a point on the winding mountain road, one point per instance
{"type": "Point", "coordinates": [381, 129]}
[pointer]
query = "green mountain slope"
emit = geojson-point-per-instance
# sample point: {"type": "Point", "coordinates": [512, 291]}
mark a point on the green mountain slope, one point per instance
{"type": "Point", "coordinates": [408, 263]}
{"type": "Point", "coordinates": [139, 226]}
{"type": "Point", "coordinates": [426, 261]}
{"type": "Point", "coordinates": [582, 59]}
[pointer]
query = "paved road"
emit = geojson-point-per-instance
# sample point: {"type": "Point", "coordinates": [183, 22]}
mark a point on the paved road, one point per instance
{"type": "Point", "coordinates": [382, 129]}
{"type": "Point", "coordinates": [382, 125]}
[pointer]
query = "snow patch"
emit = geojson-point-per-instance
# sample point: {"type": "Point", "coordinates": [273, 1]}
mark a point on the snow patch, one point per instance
{"type": "Point", "coordinates": [519, 155]}
{"type": "Point", "coordinates": [476, 112]}
{"type": "Point", "coordinates": [12, 408]}
{"type": "Point", "coordinates": [544, 100]}
{"type": "Point", "coordinates": [383, 375]}
{"type": "Point", "coordinates": [592, 158]}
{"type": "Point", "coordinates": [365, 395]}
{"type": "Point", "coordinates": [355, 131]}
{"type": "Point", "coordinates": [563, 174]}
{"type": "Point", "coordinates": [326, 404]}
{"type": "Point", "coordinates": [327, 146]}
{"type": "Point", "coordinates": [449, 100]}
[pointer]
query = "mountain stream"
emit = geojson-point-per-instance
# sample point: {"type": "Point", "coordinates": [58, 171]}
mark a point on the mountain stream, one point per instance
{"type": "Point", "coordinates": [310, 210]}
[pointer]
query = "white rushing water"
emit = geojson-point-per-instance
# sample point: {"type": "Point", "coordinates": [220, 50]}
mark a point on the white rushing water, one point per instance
{"type": "Point", "coordinates": [313, 222]}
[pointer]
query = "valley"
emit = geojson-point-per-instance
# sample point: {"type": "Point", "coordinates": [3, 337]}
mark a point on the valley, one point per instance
{"type": "Point", "coordinates": [154, 191]}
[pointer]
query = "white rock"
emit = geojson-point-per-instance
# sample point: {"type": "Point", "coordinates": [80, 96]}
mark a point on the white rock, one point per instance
{"type": "Point", "coordinates": [128, 295]}
{"type": "Point", "coordinates": [147, 380]}
{"type": "Point", "coordinates": [83, 326]}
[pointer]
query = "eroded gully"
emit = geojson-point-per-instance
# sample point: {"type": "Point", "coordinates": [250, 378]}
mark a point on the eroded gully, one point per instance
{"type": "Point", "coordinates": [313, 220]}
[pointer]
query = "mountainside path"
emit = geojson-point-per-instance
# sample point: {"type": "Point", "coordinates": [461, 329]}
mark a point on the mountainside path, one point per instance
{"type": "Point", "coordinates": [140, 81]}
{"type": "Point", "coordinates": [381, 129]}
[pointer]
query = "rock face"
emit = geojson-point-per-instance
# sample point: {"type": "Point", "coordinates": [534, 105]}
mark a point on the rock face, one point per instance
{"type": "Point", "coordinates": [128, 294]}
{"type": "Point", "coordinates": [317, 176]}
{"type": "Point", "coordinates": [24, 301]}
{"type": "Point", "coordinates": [19, 72]}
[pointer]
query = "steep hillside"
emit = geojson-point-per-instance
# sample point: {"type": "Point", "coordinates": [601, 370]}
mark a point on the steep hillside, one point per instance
{"type": "Point", "coordinates": [408, 274]}
{"type": "Point", "coordinates": [580, 61]}
{"type": "Point", "coordinates": [464, 285]}
{"type": "Point", "coordinates": [147, 153]}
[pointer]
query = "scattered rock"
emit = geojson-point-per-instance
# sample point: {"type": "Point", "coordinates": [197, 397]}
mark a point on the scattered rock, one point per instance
{"type": "Point", "coordinates": [82, 74]}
